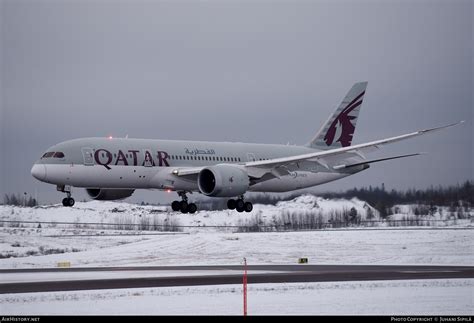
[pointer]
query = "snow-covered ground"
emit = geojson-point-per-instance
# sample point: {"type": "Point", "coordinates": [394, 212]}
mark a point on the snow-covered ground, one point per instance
{"type": "Point", "coordinates": [405, 297]}
{"type": "Point", "coordinates": [25, 245]}
{"type": "Point", "coordinates": [125, 215]}
{"type": "Point", "coordinates": [321, 247]}
{"type": "Point", "coordinates": [306, 209]}
{"type": "Point", "coordinates": [204, 242]}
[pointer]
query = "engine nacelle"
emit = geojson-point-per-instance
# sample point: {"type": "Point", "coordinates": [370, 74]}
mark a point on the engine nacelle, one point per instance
{"type": "Point", "coordinates": [108, 194]}
{"type": "Point", "coordinates": [223, 181]}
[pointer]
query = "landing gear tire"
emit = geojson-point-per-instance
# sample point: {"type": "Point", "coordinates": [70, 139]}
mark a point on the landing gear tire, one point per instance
{"type": "Point", "coordinates": [68, 201]}
{"type": "Point", "coordinates": [248, 207]}
{"type": "Point", "coordinates": [176, 206]}
{"type": "Point", "coordinates": [184, 207]}
{"type": "Point", "coordinates": [231, 204]}
{"type": "Point", "coordinates": [239, 205]}
{"type": "Point", "coordinates": [192, 208]}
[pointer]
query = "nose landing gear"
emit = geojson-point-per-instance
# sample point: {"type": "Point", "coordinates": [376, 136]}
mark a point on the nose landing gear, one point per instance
{"type": "Point", "coordinates": [67, 201]}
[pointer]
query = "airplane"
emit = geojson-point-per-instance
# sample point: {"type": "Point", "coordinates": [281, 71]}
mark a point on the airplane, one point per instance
{"type": "Point", "coordinates": [113, 168]}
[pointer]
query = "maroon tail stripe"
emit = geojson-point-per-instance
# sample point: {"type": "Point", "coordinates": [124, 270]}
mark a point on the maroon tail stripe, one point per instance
{"type": "Point", "coordinates": [357, 98]}
{"type": "Point", "coordinates": [349, 109]}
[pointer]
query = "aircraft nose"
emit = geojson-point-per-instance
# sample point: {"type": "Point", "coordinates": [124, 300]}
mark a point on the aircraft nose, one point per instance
{"type": "Point", "coordinates": [39, 171]}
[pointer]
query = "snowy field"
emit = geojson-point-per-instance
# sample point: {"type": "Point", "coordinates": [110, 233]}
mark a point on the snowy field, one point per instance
{"type": "Point", "coordinates": [405, 297]}
{"type": "Point", "coordinates": [25, 245]}
{"type": "Point", "coordinates": [320, 247]}
{"type": "Point", "coordinates": [124, 215]}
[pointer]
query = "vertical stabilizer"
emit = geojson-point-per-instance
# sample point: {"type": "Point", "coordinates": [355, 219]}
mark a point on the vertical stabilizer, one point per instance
{"type": "Point", "coordinates": [338, 130]}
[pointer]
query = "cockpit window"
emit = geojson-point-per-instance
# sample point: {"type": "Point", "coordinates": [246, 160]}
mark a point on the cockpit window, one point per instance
{"type": "Point", "coordinates": [58, 154]}
{"type": "Point", "coordinates": [48, 154]}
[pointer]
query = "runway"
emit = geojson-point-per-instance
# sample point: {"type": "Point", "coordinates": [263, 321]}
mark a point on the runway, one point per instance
{"type": "Point", "coordinates": [68, 279]}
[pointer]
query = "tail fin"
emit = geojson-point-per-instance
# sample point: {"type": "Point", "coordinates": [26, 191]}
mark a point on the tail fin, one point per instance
{"type": "Point", "coordinates": [338, 130]}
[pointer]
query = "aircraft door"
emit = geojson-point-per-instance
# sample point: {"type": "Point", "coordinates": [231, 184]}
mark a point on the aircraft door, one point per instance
{"type": "Point", "coordinates": [88, 155]}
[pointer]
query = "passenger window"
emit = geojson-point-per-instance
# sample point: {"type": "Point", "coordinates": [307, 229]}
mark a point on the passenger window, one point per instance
{"type": "Point", "coordinates": [58, 155]}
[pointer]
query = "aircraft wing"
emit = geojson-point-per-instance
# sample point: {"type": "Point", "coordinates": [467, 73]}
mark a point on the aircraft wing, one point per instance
{"type": "Point", "coordinates": [276, 166]}
{"type": "Point", "coordinates": [259, 168]}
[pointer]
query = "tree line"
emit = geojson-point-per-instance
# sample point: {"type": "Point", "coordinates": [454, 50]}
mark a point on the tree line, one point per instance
{"type": "Point", "coordinates": [19, 200]}
{"type": "Point", "coordinates": [454, 196]}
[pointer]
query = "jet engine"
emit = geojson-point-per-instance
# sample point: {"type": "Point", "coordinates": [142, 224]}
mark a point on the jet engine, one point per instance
{"type": "Point", "coordinates": [108, 194]}
{"type": "Point", "coordinates": [223, 181]}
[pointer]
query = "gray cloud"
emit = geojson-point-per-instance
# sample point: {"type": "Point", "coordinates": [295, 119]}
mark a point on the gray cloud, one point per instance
{"type": "Point", "coordinates": [237, 71]}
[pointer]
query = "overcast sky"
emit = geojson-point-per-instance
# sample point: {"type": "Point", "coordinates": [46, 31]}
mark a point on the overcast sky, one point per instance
{"type": "Point", "coordinates": [250, 71]}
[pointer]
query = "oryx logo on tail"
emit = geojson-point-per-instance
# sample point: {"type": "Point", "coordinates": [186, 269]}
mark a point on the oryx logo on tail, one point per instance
{"type": "Point", "coordinates": [338, 130]}
{"type": "Point", "coordinates": [342, 127]}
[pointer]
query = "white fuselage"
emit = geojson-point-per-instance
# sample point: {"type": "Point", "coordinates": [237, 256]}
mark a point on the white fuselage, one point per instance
{"type": "Point", "coordinates": [149, 164]}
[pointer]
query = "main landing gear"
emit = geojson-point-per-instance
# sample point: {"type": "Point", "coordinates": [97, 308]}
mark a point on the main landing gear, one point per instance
{"type": "Point", "coordinates": [240, 205]}
{"type": "Point", "coordinates": [67, 201]}
{"type": "Point", "coordinates": [183, 206]}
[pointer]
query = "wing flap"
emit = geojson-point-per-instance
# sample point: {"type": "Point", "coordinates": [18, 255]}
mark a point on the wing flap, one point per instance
{"type": "Point", "coordinates": [375, 161]}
